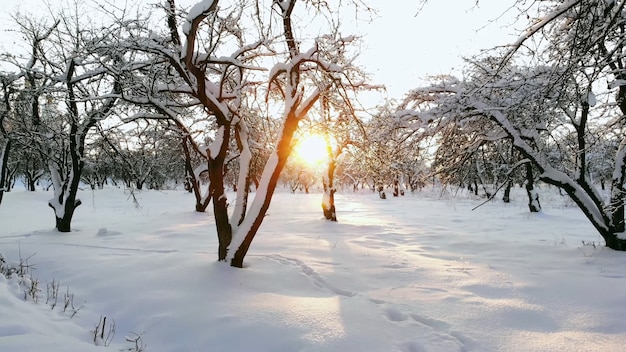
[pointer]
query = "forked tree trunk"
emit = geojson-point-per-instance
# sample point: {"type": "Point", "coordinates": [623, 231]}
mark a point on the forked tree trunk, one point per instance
{"type": "Point", "coordinates": [64, 223]}
{"type": "Point", "coordinates": [32, 176]}
{"type": "Point", "coordinates": [66, 190]}
{"type": "Point", "coordinates": [65, 202]}
{"type": "Point", "coordinates": [270, 177]}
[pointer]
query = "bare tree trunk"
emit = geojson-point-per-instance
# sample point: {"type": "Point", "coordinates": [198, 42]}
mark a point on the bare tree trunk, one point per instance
{"type": "Point", "coordinates": [328, 201]}
{"type": "Point", "coordinates": [4, 160]}
{"type": "Point", "coordinates": [191, 180]}
{"type": "Point", "coordinates": [242, 185]}
{"type": "Point", "coordinates": [63, 223]}
{"type": "Point", "coordinates": [270, 177]}
{"type": "Point", "coordinates": [68, 191]}
{"type": "Point", "coordinates": [218, 195]}
{"type": "Point", "coordinates": [618, 193]}
{"type": "Point", "coordinates": [533, 197]}
{"type": "Point", "coordinates": [507, 192]}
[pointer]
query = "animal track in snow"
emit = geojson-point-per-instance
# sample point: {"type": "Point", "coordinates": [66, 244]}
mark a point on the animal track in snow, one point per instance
{"type": "Point", "coordinates": [438, 328]}
{"type": "Point", "coordinates": [316, 278]}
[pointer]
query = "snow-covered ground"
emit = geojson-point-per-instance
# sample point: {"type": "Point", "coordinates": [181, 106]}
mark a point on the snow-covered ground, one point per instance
{"type": "Point", "coordinates": [415, 273]}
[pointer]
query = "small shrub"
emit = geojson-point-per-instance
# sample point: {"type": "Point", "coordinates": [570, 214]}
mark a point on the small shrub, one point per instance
{"type": "Point", "coordinates": [104, 332]}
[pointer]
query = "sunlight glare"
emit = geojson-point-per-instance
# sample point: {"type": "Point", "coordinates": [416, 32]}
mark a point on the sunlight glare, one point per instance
{"type": "Point", "coordinates": [311, 150]}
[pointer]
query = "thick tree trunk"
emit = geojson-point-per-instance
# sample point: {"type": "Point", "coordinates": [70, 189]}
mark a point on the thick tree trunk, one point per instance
{"type": "Point", "coordinates": [618, 193]}
{"type": "Point", "coordinates": [222, 222]}
{"type": "Point", "coordinates": [71, 202]}
{"type": "Point", "coordinates": [217, 193]}
{"type": "Point", "coordinates": [509, 183]}
{"type": "Point", "coordinates": [381, 192]}
{"type": "Point", "coordinates": [65, 201]}
{"type": "Point", "coordinates": [269, 179]}
{"type": "Point", "coordinates": [533, 197]}
{"type": "Point", "coordinates": [616, 243]}
{"type": "Point", "coordinates": [30, 182]}
{"type": "Point", "coordinates": [4, 161]}
{"type": "Point", "coordinates": [328, 206]}
{"type": "Point", "coordinates": [617, 211]}
{"type": "Point", "coordinates": [507, 192]}
{"type": "Point", "coordinates": [64, 223]}
{"type": "Point", "coordinates": [242, 185]}
{"type": "Point", "coordinates": [328, 201]}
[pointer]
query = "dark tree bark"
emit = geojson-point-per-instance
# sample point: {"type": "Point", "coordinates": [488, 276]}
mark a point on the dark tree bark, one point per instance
{"type": "Point", "coordinates": [293, 114]}
{"type": "Point", "coordinates": [66, 189]}
{"type": "Point", "coordinates": [282, 152]}
{"type": "Point", "coordinates": [381, 192]}
{"type": "Point", "coordinates": [618, 193]}
{"type": "Point", "coordinates": [217, 194]}
{"type": "Point", "coordinates": [329, 210]}
{"type": "Point", "coordinates": [6, 148]}
{"type": "Point", "coordinates": [507, 192]}
{"type": "Point", "coordinates": [617, 199]}
{"type": "Point", "coordinates": [533, 197]}
{"type": "Point", "coordinates": [4, 160]}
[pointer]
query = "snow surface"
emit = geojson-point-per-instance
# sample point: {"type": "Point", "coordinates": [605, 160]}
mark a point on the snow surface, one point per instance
{"type": "Point", "coordinates": [414, 273]}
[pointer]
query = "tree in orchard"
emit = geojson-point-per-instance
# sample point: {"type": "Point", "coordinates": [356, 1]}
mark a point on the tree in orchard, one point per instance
{"type": "Point", "coordinates": [216, 70]}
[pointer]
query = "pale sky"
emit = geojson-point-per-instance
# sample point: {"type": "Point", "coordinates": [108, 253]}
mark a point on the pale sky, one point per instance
{"type": "Point", "coordinates": [405, 47]}
{"type": "Point", "coordinates": [401, 45]}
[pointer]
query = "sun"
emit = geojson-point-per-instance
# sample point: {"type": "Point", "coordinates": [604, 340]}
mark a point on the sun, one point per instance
{"type": "Point", "coordinates": [311, 150]}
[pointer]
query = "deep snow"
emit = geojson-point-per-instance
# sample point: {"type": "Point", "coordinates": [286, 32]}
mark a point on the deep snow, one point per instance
{"type": "Point", "coordinates": [415, 273]}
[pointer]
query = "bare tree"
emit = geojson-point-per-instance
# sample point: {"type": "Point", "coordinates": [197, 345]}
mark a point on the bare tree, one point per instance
{"type": "Point", "coordinates": [213, 71]}
{"type": "Point", "coordinates": [65, 69]}
{"type": "Point", "coordinates": [586, 46]}
{"type": "Point", "coordinates": [5, 137]}
{"type": "Point", "coordinates": [537, 105]}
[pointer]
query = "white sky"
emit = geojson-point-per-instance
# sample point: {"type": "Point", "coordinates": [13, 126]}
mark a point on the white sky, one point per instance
{"type": "Point", "coordinates": [401, 45]}
{"type": "Point", "coordinates": [406, 47]}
